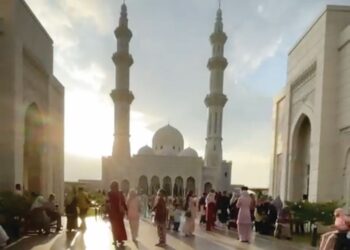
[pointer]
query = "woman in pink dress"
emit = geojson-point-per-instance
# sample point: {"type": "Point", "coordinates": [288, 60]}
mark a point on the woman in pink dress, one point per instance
{"type": "Point", "coordinates": [116, 209]}
{"type": "Point", "coordinates": [244, 220]}
{"type": "Point", "coordinates": [133, 205]}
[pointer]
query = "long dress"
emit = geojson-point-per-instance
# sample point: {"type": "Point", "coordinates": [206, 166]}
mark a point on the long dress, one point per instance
{"type": "Point", "coordinates": [116, 204]}
{"type": "Point", "coordinates": [189, 225]}
{"type": "Point", "coordinates": [72, 214]}
{"type": "Point", "coordinates": [244, 221]}
{"type": "Point", "coordinates": [211, 211]}
{"type": "Point", "coordinates": [134, 216]}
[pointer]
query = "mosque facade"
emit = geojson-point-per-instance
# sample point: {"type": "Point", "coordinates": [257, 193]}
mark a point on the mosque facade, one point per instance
{"type": "Point", "coordinates": [31, 105]}
{"type": "Point", "coordinates": [166, 163]}
{"type": "Point", "coordinates": [311, 152]}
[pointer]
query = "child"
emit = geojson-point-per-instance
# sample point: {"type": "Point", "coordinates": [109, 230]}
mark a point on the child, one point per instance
{"type": "Point", "coordinates": [282, 228]}
{"type": "Point", "coordinates": [170, 209]}
{"type": "Point", "coordinates": [177, 217]}
{"type": "Point", "coordinates": [341, 224]}
{"type": "Point", "coordinates": [160, 217]}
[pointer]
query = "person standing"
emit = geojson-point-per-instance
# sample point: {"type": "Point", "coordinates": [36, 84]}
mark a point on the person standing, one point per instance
{"type": "Point", "coordinates": [160, 217]}
{"type": "Point", "coordinates": [116, 209]}
{"type": "Point", "coordinates": [190, 214]}
{"type": "Point", "coordinates": [244, 221]}
{"type": "Point", "coordinates": [201, 208]}
{"type": "Point", "coordinates": [177, 217]}
{"type": "Point", "coordinates": [133, 204]}
{"type": "Point", "coordinates": [71, 210]}
{"type": "Point", "coordinates": [83, 204]}
{"type": "Point", "coordinates": [210, 210]}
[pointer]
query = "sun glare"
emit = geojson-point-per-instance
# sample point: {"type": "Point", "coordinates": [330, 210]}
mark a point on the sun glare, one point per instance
{"type": "Point", "coordinates": [89, 125]}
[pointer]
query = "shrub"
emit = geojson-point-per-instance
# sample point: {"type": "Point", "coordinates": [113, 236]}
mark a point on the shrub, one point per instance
{"type": "Point", "coordinates": [314, 211]}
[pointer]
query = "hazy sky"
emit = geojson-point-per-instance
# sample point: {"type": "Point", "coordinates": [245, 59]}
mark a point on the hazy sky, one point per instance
{"type": "Point", "coordinates": [169, 78]}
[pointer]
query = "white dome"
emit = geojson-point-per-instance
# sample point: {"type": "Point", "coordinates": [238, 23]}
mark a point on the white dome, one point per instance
{"type": "Point", "coordinates": [189, 152]}
{"type": "Point", "coordinates": [167, 141]}
{"type": "Point", "coordinates": [145, 150]}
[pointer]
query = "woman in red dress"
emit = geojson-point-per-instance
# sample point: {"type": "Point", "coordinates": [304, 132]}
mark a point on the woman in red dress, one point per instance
{"type": "Point", "coordinates": [116, 211]}
{"type": "Point", "coordinates": [211, 210]}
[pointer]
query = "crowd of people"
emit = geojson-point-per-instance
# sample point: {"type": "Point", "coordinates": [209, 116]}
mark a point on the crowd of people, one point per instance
{"type": "Point", "coordinates": [240, 210]}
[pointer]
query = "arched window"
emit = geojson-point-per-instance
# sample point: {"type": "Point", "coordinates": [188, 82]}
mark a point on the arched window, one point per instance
{"type": "Point", "coordinates": [143, 185]}
{"type": "Point", "coordinates": [178, 187]}
{"type": "Point", "coordinates": [167, 185]}
{"type": "Point", "coordinates": [155, 185]}
{"type": "Point", "coordinates": [190, 185]}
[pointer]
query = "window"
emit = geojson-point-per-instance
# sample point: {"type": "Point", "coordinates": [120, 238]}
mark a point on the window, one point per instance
{"type": "Point", "coordinates": [214, 147]}
{"type": "Point", "coordinates": [174, 147]}
{"type": "Point", "coordinates": [225, 174]}
{"type": "Point", "coordinates": [161, 147]}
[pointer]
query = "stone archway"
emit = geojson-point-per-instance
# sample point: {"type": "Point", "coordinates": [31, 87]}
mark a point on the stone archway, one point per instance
{"type": "Point", "coordinates": [155, 184]}
{"type": "Point", "coordinates": [190, 185]}
{"type": "Point", "coordinates": [125, 187]}
{"type": "Point", "coordinates": [178, 190]}
{"type": "Point", "coordinates": [143, 185]}
{"type": "Point", "coordinates": [167, 185]}
{"type": "Point", "coordinates": [301, 156]}
{"type": "Point", "coordinates": [32, 149]}
{"type": "Point", "coordinates": [207, 187]}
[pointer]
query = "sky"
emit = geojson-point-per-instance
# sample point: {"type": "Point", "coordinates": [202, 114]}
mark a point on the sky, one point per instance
{"type": "Point", "coordinates": [169, 78]}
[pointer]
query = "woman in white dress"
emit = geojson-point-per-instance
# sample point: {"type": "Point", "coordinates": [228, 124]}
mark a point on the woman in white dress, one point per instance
{"type": "Point", "coordinates": [190, 214]}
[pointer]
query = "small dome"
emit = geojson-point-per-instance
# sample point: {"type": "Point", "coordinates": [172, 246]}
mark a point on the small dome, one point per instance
{"type": "Point", "coordinates": [167, 141]}
{"type": "Point", "coordinates": [145, 150]}
{"type": "Point", "coordinates": [189, 152]}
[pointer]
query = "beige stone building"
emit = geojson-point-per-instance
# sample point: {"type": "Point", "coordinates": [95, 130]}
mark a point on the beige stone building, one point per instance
{"type": "Point", "coordinates": [312, 114]}
{"type": "Point", "coordinates": [167, 163]}
{"type": "Point", "coordinates": [31, 104]}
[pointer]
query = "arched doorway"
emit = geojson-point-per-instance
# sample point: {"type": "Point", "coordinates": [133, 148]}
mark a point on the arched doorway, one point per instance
{"type": "Point", "coordinates": [32, 151]}
{"type": "Point", "coordinates": [178, 187]}
{"type": "Point", "coordinates": [125, 187]}
{"type": "Point", "coordinates": [207, 187]}
{"type": "Point", "coordinates": [167, 185]}
{"type": "Point", "coordinates": [300, 178]}
{"type": "Point", "coordinates": [190, 185]}
{"type": "Point", "coordinates": [155, 184]}
{"type": "Point", "coordinates": [143, 185]}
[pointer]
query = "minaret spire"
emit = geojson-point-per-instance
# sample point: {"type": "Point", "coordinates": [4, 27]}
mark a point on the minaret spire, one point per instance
{"type": "Point", "coordinates": [216, 100]}
{"type": "Point", "coordinates": [121, 95]}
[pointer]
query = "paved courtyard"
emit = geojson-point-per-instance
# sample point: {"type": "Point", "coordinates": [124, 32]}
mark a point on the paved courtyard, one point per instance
{"type": "Point", "coordinates": [98, 237]}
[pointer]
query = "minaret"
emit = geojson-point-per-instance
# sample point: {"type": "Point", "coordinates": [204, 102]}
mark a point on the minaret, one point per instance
{"type": "Point", "coordinates": [121, 95]}
{"type": "Point", "coordinates": [216, 100]}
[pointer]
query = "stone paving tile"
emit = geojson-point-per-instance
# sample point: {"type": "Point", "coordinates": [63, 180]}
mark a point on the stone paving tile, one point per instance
{"type": "Point", "coordinates": [98, 237]}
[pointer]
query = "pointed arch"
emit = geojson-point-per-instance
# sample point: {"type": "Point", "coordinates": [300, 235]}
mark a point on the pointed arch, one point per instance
{"type": "Point", "coordinates": [299, 179]}
{"type": "Point", "coordinates": [178, 190]}
{"type": "Point", "coordinates": [190, 185]}
{"type": "Point", "coordinates": [167, 185]}
{"type": "Point", "coordinates": [143, 185]}
{"type": "Point", "coordinates": [155, 185]}
{"type": "Point", "coordinates": [32, 149]}
{"type": "Point", "coordinates": [125, 187]}
{"type": "Point", "coordinates": [207, 187]}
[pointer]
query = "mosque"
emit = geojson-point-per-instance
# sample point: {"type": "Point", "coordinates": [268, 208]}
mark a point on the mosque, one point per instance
{"type": "Point", "coordinates": [167, 164]}
{"type": "Point", "coordinates": [311, 150]}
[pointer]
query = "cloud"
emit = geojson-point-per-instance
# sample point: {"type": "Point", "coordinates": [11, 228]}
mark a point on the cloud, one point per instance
{"type": "Point", "coordinates": [169, 78]}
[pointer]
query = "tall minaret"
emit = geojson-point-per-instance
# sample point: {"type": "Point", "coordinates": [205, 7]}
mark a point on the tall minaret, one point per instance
{"type": "Point", "coordinates": [121, 95]}
{"type": "Point", "coordinates": [216, 100]}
